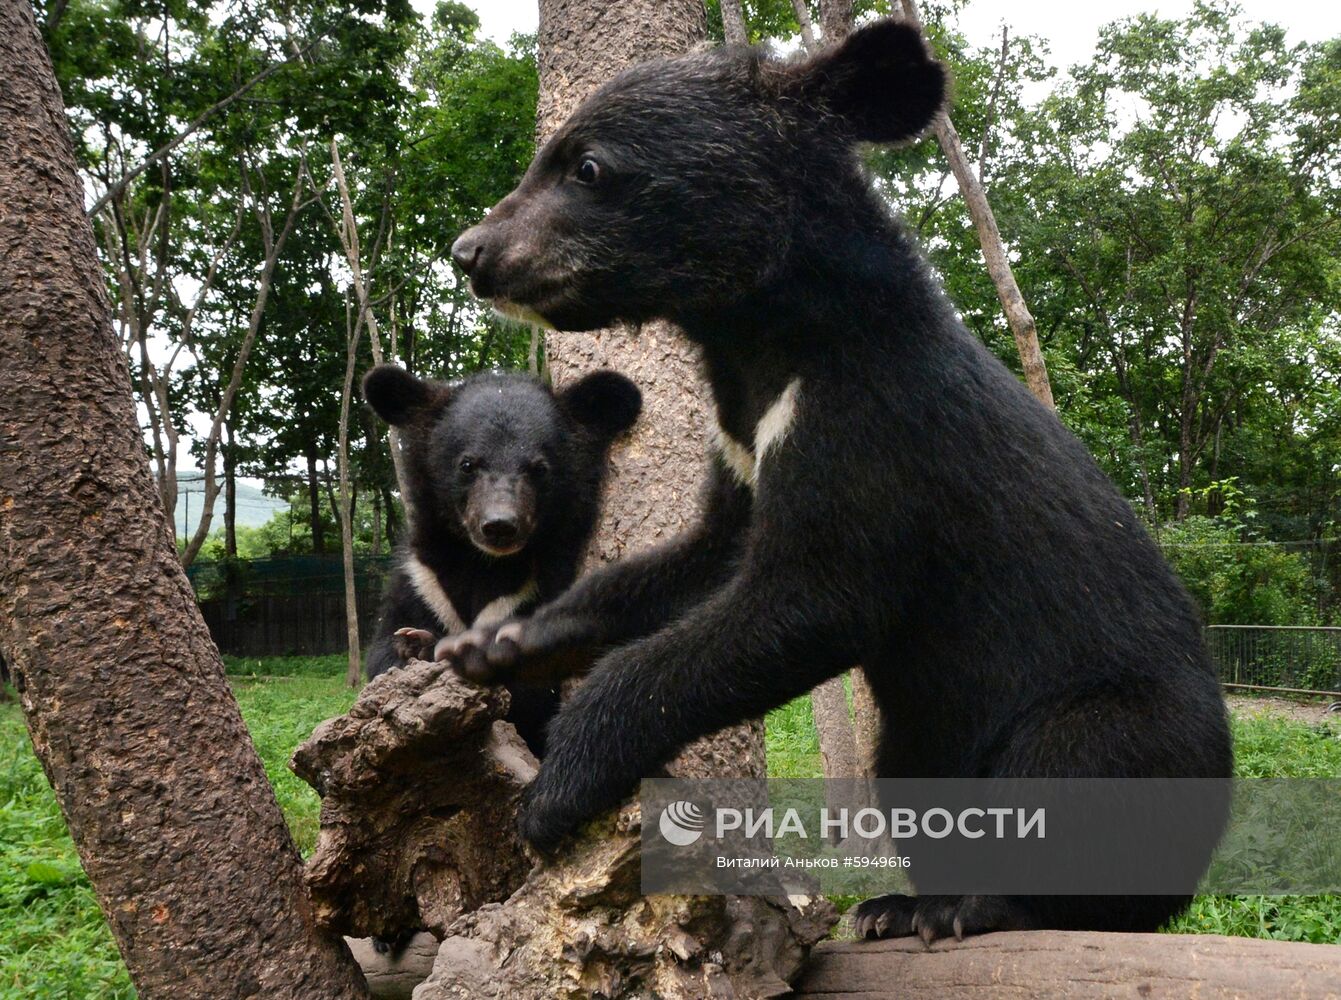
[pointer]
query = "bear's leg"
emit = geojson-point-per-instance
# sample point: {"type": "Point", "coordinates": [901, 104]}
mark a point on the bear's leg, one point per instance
{"type": "Point", "coordinates": [750, 647]}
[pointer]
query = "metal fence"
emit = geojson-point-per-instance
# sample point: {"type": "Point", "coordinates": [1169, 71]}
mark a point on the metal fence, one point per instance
{"type": "Point", "coordinates": [308, 624]}
{"type": "Point", "coordinates": [287, 605]}
{"type": "Point", "coordinates": [1297, 659]}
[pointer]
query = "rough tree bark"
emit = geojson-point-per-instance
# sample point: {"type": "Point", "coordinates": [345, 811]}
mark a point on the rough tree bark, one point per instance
{"type": "Point", "coordinates": [733, 23]}
{"type": "Point", "coordinates": [835, 20]}
{"type": "Point", "coordinates": [1019, 317]}
{"type": "Point", "coordinates": [124, 695]}
{"type": "Point", "coordinates": [419, 787]}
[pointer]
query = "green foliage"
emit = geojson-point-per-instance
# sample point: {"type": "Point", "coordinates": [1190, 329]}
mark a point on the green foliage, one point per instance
{"type": "Point", "coordinates": [1240, 584]}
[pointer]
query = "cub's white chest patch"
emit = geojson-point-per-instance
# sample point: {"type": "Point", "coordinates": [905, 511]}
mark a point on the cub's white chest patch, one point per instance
{"type": "Point", "coordinates": [769, 433]}
{"type": "Point", "coordinates": [502, 608]}
{"type": "Point", "coordinates": [426, 585]}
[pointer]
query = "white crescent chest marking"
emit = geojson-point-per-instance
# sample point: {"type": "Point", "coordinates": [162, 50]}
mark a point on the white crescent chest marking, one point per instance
{"type": "Point", "coordinates": [769, 432]}
{"type": "Point", "coordinates": [426, 585]}
{"type": "Point", "coordinates": [502, 608]}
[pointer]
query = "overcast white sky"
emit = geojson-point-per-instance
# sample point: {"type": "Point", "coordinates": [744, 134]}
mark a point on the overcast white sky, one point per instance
{"type": "Point", "coordinates": [1070, 27]}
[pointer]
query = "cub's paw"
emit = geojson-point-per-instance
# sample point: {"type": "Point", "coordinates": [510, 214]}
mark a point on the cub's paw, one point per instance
{"type": "Point", "coordinates": [414, 643]}
{"type": "Point", "coordinates": [541, 649]}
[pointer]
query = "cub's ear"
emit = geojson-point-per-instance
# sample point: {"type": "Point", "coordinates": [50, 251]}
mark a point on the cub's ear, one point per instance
{"type": "Point", "coordinates": [604, 402]}
{"type": "Point", "coordinates": [880, 83]}
{"type": "Point", "coordinates": [401, 398]}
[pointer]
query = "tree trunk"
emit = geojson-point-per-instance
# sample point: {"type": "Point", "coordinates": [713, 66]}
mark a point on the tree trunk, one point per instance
{"type": "Point", "coordinates": [835, 20]}
{"type": "Point", "coordinates": [230, 490]}
{"type": "Point", "coordinates": [348, 231]}
{"type": "Point", "coordinates": [1021, 321]}
{"type": "Point", "coordinates": [866, 720]}
{"type": "Point", "coordinates": [353, 671]}
{"type": "Point", "coordinates": [124, 695]}
{"type": "Point", "coordinates": [314, 504]}
{"type": "Point", "coordinates": [803, 19]}
{"type": "Point", "coordinates": [733, 23]}
{"type": "Point", "coordinates": [420, 784]}
{"type": "Point", "coordinates": [838, 747]}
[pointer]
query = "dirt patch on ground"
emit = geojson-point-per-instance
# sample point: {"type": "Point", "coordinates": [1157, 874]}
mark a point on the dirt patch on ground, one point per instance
{"type": "Point", "coordinates": [1301, 710]}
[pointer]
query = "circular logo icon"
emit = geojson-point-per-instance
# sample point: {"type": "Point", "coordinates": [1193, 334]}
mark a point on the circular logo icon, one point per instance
{"type": "Point", "coordinates": [682, 823]}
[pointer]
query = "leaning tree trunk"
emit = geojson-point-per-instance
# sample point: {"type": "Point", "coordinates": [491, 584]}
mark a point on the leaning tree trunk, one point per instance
{"type": "Point", "coordinates": [656, 475]}
{"type": "Point", "coordinates": [124, 695]}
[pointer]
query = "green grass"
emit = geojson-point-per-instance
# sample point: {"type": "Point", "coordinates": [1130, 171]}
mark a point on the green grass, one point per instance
{"type": "Point", "coordinates": [55, 946]}
{"type": "Point", "coordinates": [53, 942]}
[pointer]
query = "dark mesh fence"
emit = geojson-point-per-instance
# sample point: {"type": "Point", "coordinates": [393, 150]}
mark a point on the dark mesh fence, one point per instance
{"type": "Point", "coordinates": [1280, 658]}
{"type": "Point", "coordinates": [285, 606]}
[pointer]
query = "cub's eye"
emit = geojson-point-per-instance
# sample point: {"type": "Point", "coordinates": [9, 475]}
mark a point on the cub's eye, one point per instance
{"type": "Point", "coordinates": [539, 467]}
{"type": "Point", "coordinates": [468, 465]}
{"type": "Point", "coordinates": [588, 171]}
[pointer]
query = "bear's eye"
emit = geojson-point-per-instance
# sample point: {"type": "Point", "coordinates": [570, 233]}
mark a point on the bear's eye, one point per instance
{"type": "Point", "coordinates": [588, 171]}
{"type": "Point", "coordinates": [539, 467]}
{"type": "Point", "coordinates": [468, 464]}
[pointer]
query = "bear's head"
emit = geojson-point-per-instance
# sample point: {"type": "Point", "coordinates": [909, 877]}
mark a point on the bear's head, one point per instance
{"type": "Point", "coordinates": [497, 456]}
{"type": "Point", "coordinates": [684, 184]}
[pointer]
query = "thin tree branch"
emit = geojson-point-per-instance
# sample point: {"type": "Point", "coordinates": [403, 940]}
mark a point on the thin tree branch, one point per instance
{"type": "Point", "coordinates": [195, 126]}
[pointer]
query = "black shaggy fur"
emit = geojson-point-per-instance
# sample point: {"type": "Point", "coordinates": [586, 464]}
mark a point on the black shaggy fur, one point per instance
{"type": "Point", "coordinates": [922, 514]}
{"type": "Point", "coordinates": [504, 481]}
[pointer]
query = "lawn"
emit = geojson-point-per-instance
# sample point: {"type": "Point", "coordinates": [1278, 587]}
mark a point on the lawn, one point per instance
{"type": "Point", "coordinates": [54, 945]}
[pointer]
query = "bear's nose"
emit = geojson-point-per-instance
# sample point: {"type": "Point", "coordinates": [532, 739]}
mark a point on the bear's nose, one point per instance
{"type": "Point", "coordinates": [500, 531]}
{"type": "Point", "coordinates": [466, 250]}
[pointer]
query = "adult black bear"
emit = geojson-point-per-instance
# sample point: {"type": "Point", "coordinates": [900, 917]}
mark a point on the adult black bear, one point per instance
{"type": "Point", "coordinates": [885, 491]}
{"type": "Point", "coordinates": [504, 481]}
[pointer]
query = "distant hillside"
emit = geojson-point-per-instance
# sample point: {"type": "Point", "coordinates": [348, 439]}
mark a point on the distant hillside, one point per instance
{"type": "Point", "coordinates": [254, 508]}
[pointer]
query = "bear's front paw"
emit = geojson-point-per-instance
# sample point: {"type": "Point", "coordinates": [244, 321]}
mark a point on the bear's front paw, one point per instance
{"type": "Point", "coordinates": [414, 643]}
{"type": "Point", "coordinates": [544, 818]}
{"type": "Point", "coordinates": [466, 652]}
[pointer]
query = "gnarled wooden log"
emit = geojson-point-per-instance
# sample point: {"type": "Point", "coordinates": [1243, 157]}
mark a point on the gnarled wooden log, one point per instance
{"type": "Point", "coordinates": [1050, 965]}
{"type": "Point", "coordinates": [580, 927]}
{"type": "Point", "coordinates": [419, 786]}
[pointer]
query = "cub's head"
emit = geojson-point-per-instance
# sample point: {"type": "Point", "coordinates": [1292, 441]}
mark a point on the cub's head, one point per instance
{"type": "Point", "coordinates": [683, 184]}
{"type": "Point", "coordinates": [495, 456]}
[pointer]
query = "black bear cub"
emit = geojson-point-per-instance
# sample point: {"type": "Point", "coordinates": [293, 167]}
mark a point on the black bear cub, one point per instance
{"type": "Point", "coordinates": [885, 491]}
{"type": "Point", "coordinates": [504, 480]}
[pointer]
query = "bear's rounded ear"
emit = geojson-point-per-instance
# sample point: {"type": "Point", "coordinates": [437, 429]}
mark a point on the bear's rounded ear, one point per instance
{"type": "Point", "coordinates": [401, 398]}
{"type": "Point", "coordinates": [881, 83]}
{"type": "Point", "coordinates": [604, 402]}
